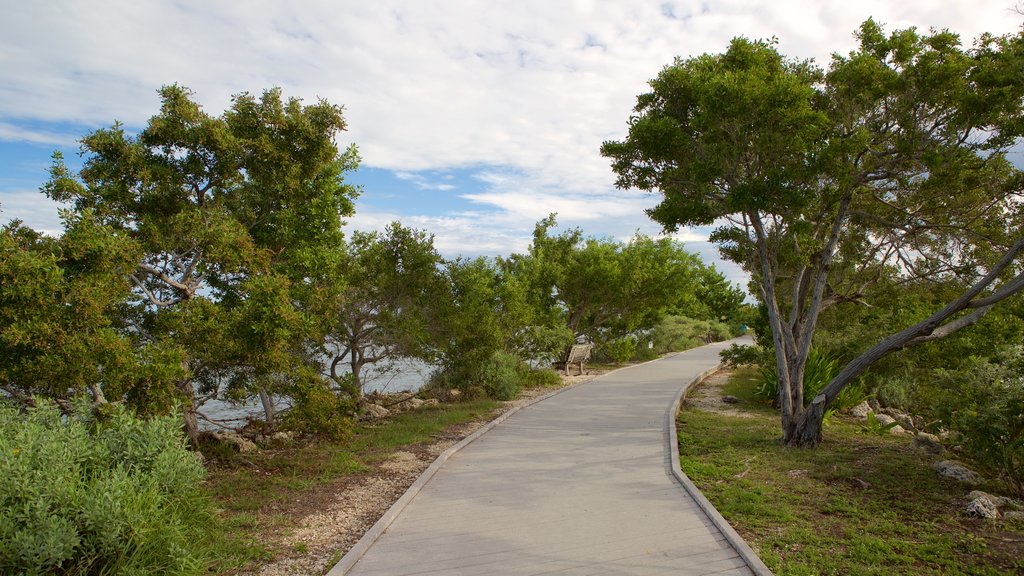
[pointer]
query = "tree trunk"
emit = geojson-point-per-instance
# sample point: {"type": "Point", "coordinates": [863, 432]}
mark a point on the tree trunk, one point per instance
{"type": "Point", "coordinates": [191, 421]}
{"type": "Point", "coordinates": [807, 433]}
{"type": "Point", "coordinates": [269, 411]}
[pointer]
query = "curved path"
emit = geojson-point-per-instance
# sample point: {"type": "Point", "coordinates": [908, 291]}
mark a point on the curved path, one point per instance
{"type": "Point", "coordinates": [580, 483]}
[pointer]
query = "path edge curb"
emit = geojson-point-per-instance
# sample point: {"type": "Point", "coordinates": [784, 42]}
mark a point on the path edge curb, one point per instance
{"type": "Point", "coordinates": [363, 545]}
{"type": "Point", "coordinates": [754, 562]}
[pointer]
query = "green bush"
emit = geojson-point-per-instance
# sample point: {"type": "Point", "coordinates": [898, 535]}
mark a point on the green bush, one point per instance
{"type": "Point", "coordinates": [319, 410]}
{"type": "Point", "coordinates": [499, 377]}
{"type": "Point", "coordinates": [985, 408]}
{"type": "Point", "coordinates": [678, 333]}
{"type": "Point", "coordinates": [541, 378]}
{"type": "Point", "coordinates": [619, 350]}
{"type": "Point", "coordinates": [88, 495]}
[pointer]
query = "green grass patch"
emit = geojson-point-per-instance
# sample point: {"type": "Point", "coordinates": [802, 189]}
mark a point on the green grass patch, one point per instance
{"type": "Point", "coordinates": [810, 511]}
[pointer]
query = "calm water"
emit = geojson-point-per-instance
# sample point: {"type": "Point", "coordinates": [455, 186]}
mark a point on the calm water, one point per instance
{"type": "Point", "coordinates": [409, 375]}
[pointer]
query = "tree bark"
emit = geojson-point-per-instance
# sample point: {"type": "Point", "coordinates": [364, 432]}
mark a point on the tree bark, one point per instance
{"type": "Point", "coordinates": [269, 411]}
{"type": "Point", "coordinates": [191, 421]}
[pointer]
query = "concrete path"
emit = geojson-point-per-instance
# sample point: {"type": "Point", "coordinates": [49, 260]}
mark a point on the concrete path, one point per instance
{"type": "Point", "coordinates": [579, 484]}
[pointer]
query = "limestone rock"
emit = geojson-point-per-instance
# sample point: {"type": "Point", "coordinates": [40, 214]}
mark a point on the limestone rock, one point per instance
{"type": "Point", "coordinates": [454, 394]}
{"type": "Point", "coordinates": [239, 443]}
{"type": "Point", "coordinates": [412, 403]}
{"type": "Point", "coordinates": [1014, 515]}
{"type": "Point", "coordinates": [885, 419]}
{"type": "Point", "coordinates": [997, 501]}
{"type": "Point", "coordinates": [861, 410]}
{"type": "Point", "coordinates": [431, 402]}
{"type": "Point", "coordinates": [927, 444]}
{"type": "Point", "coordinates": [982, 508]}
{"type": "Point", "coordinates": [957, 471]}
{"type": "Point", "coordinates": [376, 411]}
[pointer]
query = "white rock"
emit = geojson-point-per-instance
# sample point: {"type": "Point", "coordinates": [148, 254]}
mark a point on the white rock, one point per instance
{"type": "Point", "coordinates": [885, 419]}
{"type": "Point", "coordinates": [861, 410]}
{"type": "Point", "coordinates": [1013, 515]}
{"type": "Point", "coordinates": [997, 501]}
{"type": "Point", "coordinates": [957, 471]}
{"type": "Point", "coordinates": [927, 443]}
{"type": "Point", "coordinates": [240, 443]}
{"type": "Point", "coordinates": [376, 411]}
{"type": "Point", "coordinates": [982, 508]}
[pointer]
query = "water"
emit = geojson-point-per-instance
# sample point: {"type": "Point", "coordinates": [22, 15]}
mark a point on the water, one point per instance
{"type": "Point", "coordinates": [409, 375]}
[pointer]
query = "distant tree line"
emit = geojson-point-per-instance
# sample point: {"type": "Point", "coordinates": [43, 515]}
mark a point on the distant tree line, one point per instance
{"type": "Point", "coordinates": [204, 257]}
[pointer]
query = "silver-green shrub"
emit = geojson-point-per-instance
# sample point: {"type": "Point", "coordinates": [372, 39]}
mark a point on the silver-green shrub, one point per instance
{"type": "Point", "coordinates": [109, 494]}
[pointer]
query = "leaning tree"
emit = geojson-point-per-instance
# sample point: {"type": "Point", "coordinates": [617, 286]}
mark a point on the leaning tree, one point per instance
{"type": "Point", "coordinates": [890, 164]}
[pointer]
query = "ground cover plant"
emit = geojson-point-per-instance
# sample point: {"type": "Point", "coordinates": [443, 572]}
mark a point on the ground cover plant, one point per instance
{"type": "Point", "coordinates": [861, 503]}
{"type": "Point", "coordinates": [103, 493]}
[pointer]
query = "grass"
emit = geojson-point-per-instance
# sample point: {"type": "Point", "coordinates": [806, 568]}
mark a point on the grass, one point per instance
{"type": "Point", "coordinates": [251, 487]}
{"type": "Point", "coordinates": [810, 511]}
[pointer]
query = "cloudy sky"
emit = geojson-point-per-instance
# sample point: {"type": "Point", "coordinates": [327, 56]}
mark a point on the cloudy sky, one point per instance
{"type": "Point", "coordinates": [474, 119]}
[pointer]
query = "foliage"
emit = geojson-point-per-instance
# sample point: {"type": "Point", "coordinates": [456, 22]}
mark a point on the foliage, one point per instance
{"type": "Point", "coordinates": [392, 284]}
{"type": "Point", "coordinates": [984, 405]}
{"type": "Point", "coordinates": [809, 512]}
{"type": "Point", "coordinates": [678, 333]}
{"type": "Point", "coordinates": [888, 167]}
{"type": "Point", "coordinates": [58, 302]}
{"type": "Point", "coordinates": [743, 355]}
{"type": "Point", "coordinates": [619, 350]}
{"type": "Point", "coordinates": [821, 369]}
{"type": "Point", "coordinates": [541, 378]}
{"type": "Point", "coordinates": [500, 377]}
{"type": "Point", "coordinates": [603, 289]}
{"type": "Point", "coordinates": [98, 495]}
{"type": "Point", "coordinates": [320, 409]}
{"type": "Point", "coordinates": [235, 226]}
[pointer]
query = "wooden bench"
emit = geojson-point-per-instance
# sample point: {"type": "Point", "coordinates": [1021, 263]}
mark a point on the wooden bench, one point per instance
{"type": "Point", "coordinates": [578, 354]}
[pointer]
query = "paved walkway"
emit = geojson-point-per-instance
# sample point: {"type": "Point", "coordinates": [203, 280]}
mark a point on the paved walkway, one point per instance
{"type": "Point", "coordinates": [579, 484]}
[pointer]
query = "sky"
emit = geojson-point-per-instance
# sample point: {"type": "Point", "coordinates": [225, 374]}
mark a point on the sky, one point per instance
{"type": "Point", "coordinates": [473, 119]}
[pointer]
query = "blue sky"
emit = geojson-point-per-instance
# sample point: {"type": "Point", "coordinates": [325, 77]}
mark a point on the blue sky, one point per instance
{"type": "Point", "coordinates": [473, 119]}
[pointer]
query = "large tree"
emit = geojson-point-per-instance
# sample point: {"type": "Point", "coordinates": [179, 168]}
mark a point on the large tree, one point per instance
{"type": "Point", "coordinates": [890, 164]}
{"type": "Point", "coordinates": [237, 222]}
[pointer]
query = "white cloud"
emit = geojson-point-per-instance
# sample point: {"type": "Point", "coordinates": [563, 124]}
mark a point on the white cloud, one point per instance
{"type": "Point", "coordinates": [533, 85]}
{"type": "Point", "coordinates": [13, 133]}
{"type": "Point", "coordinates": [33, 208]}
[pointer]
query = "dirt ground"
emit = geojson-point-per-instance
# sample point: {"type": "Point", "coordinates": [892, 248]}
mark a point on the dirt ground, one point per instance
{"type": "Point", "coordinates": [708, 395]}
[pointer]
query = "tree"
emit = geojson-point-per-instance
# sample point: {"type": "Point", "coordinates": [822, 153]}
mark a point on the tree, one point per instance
{"type": "Point", "coordinates": [891, 163]}
{"type": "Point", "coordinates": [603, 289]}
{"type": "Point", "coordinates": [237, 221]}
{"type": "Point", "coordinates": [392, 282]}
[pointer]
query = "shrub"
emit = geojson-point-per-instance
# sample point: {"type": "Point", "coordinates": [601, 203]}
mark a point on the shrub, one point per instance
{"type": "Point", "coordinates": [319, 410]}
{"type": "Point", "coordinates": [541, 378]}
{"type": "Point", "coordinates": [498, 376]}
{"type": "Point", "coordinates": [501, 376]}
{"type": "Point", "coordinates": [619, 350]}
{"type": "Point", "coordinates": [985, 407]}
{"type": "Point", "coordinates": [99, 495]}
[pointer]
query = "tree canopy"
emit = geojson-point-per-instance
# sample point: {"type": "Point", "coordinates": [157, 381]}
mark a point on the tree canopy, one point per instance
{"type": "Point", "coordinates": [890, 164]}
